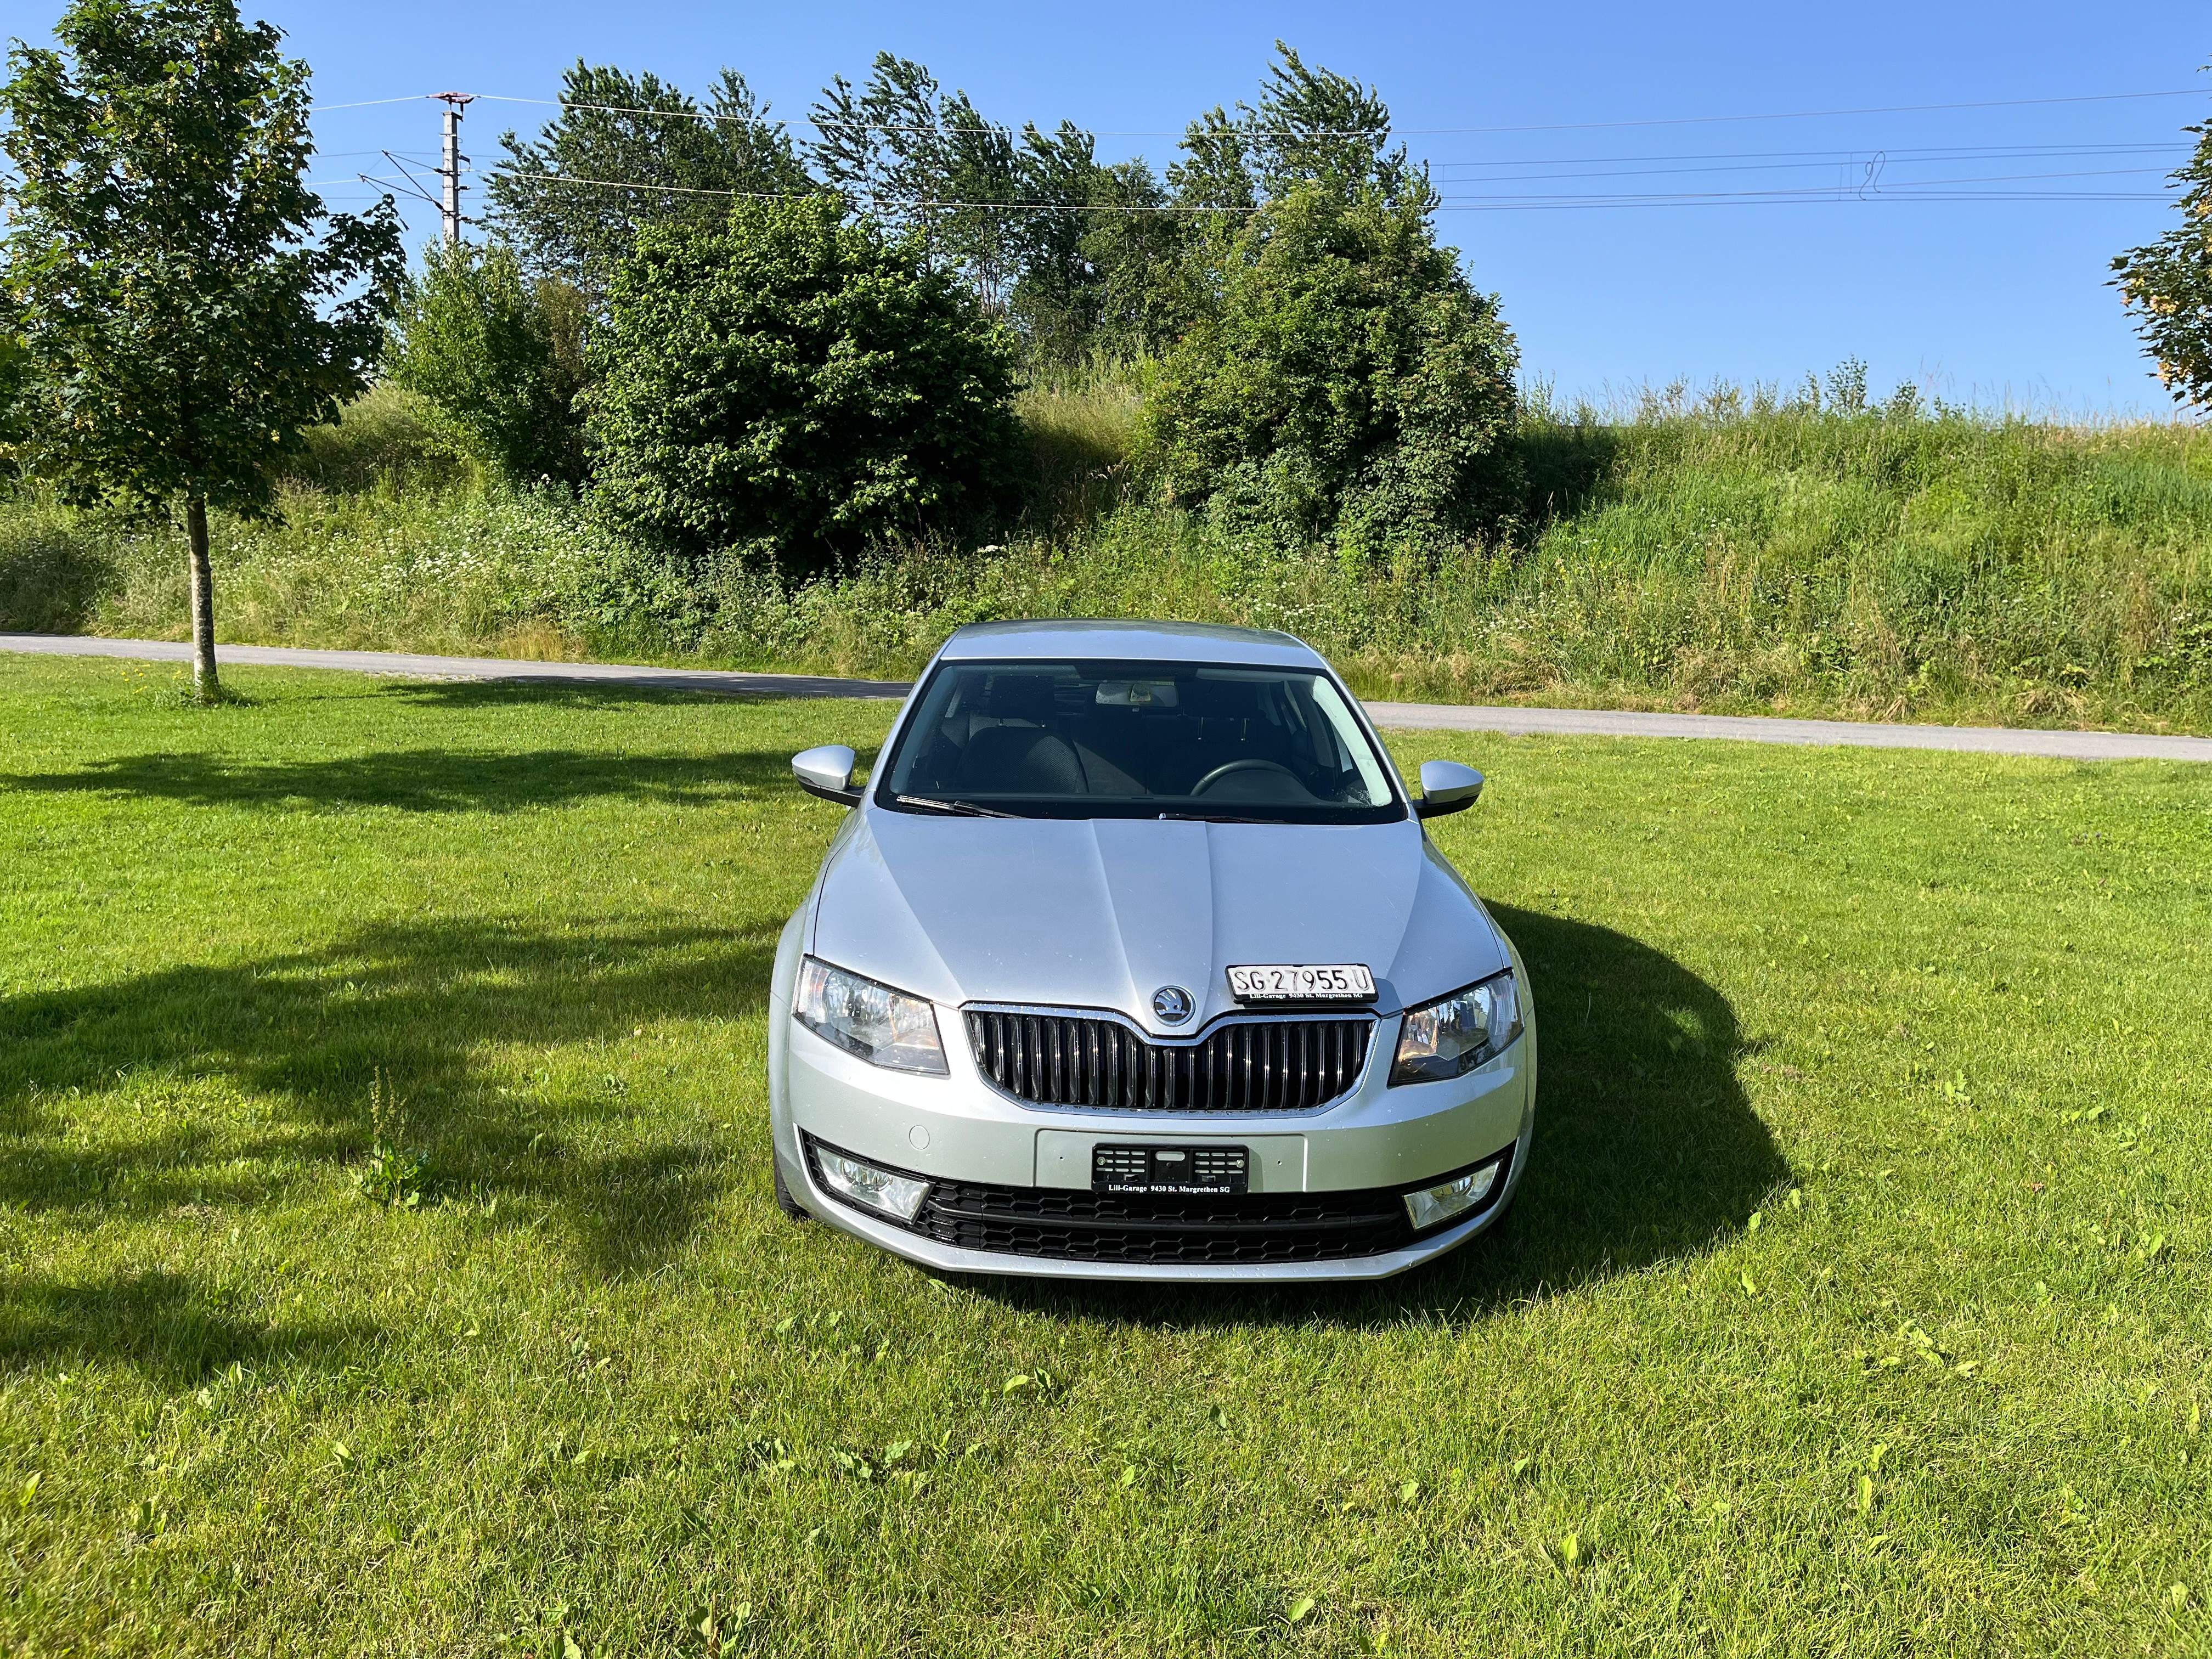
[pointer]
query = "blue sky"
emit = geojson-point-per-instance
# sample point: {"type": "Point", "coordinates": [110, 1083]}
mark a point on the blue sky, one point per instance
{"type": "Point", "coordinates": [1988, 301]}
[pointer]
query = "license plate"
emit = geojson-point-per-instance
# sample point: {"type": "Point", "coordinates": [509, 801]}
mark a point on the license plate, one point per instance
{"type": "Point", "coordinates": [1170, 1169]}
{"type": "Point", "coordinates": [1341, 982]}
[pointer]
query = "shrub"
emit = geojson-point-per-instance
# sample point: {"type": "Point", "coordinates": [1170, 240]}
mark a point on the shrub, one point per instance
{"type": "Point", "coordinates": [496, 360]}
{"type": "Point", "coordinates": [1346, 382]}
{"type": "Point", "coordinates": [795, 389]}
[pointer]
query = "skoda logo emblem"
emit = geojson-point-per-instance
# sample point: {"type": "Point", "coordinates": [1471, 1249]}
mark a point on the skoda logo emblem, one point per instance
{"type": "Point", "coordinates": [1173, 1005]}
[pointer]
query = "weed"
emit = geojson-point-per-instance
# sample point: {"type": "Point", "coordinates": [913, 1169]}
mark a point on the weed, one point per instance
{"type": "Point", "coordinates": [393, 1172]}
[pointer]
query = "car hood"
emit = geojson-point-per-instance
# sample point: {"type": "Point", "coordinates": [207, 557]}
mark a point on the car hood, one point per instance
{"type": "Point", "coordinates": [1100, 913]}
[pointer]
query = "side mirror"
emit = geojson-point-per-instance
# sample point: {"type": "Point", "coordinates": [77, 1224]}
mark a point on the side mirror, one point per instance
{"type": "Point", "coordinates": [1446, 787]}
{"type": "Point", "coordinates": [827, 772]}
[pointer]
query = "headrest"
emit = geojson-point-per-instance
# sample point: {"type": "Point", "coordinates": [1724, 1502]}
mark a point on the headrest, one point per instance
{"type": "Point", "coordinates": [1019, 697]}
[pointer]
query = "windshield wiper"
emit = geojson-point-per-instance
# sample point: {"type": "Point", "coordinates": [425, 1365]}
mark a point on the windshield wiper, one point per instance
{"type": "Point", "coordinates": [1214, 817]}
{"type": "Point", "coordinates": [966, 808]}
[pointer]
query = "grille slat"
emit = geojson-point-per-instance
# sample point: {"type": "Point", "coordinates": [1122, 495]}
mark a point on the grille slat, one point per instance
{"type": "Point", "coordinates": [1248, 1065]}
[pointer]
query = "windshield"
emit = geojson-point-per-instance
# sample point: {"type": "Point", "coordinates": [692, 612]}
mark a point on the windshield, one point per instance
{"type": "Point", "coordinates": [1137, 739]}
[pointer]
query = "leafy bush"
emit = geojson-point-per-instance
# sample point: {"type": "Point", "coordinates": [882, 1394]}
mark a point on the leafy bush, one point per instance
{"type": "Point", "coordinates": [795, 389]}
{"type": "Point", "coordinates": [1347, 384]}
{"type": "Point", "coordinates": [496, 360]}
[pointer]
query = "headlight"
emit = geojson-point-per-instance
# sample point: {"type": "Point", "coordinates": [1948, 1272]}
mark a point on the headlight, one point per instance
{"type": "Point", "coordinates": [882, 1026]}
{"type": "Point", "coordinates": [1456, 1034]}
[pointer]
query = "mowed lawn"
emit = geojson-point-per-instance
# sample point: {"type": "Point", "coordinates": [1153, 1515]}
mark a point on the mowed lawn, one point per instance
{"type": "Point", "coordinates": [1856, 1302]}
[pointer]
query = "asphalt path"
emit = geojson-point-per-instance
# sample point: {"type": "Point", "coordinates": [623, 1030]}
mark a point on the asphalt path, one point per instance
{"type": "Point", "coordinates": [1977, 740]}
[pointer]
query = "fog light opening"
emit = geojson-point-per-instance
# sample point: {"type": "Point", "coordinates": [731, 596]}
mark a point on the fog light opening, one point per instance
{"type": "Point", "coordinates": [1432, 1206]}
{"type": "Point", "coordinates": [898, 1196]}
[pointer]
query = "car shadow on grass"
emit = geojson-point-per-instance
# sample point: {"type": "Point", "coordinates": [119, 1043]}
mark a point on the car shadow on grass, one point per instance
{"type": "Point", "coordinates": [426, 780]}
{"type": "Point", "coordinates": [303, 1037]}
{"type": "Point", "coordinates": [1646, 1151]}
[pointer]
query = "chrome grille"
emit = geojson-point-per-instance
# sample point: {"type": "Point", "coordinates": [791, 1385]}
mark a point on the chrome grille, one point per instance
{"type": "Point", "coordinates": [1245, 1066]}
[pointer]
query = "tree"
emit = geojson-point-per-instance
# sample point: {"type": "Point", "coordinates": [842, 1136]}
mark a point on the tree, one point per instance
{"type": "Point", "coordinates": [1081, 256]}
{"type": "Point", "coordinates": [181, 318]}
{"type": "Point", "coordinates": [1312, 126]}
{"type": "Point", "coordinates": [15, 386]}
{"type": "Point", "coordinates": [913, 160]}
{"type": "Point", "coordinates": [497, 360]}
{"type": "Point", "coordinates": [630, 150]}
{"type": "Point", "coordinates": [1344, 382]}
{"type": "Point", "coordinates": [1101, 254]}
{"type": "Point", "coordinates": [795, 388]}
{"type": "Point", "coordinates": [2168, 285]}
{"type": "Point", "coordinates": [1339, 377]}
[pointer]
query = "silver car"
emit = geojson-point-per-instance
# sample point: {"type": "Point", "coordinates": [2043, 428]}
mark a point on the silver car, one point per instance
{"type": "Point", "coordinates": [1132, 960]}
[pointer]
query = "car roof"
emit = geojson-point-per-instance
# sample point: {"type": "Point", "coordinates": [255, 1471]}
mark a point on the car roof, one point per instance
{"type": "Point", "coordinates": [1152, 642]}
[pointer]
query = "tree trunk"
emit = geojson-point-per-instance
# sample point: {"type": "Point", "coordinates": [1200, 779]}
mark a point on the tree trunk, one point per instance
{"type": "Point", "coordinates": [205, 687]}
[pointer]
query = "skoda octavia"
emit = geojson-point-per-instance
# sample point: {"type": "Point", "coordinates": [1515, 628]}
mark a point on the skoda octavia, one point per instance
{"type": "Point", "coordinates": [1133, 959]}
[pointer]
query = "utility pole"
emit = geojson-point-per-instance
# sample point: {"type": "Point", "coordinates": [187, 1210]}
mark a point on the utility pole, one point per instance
{"type": "Point", "coordinates": [449, 210]}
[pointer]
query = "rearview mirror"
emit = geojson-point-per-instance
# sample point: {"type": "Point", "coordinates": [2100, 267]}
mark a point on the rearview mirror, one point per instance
{"type": "Point", "coordinates": [827, 772]}
{"type": "Point", "coordinates": [1446, 787]}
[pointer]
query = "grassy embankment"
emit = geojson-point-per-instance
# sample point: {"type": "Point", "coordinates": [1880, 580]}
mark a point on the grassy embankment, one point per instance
{"type": "Point", "coordinates": [1856, 1301]}
{"type": "Point", "coordinates": [1890, 565]}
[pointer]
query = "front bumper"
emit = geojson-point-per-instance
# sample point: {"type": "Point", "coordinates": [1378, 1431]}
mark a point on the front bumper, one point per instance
{"type": "Point", "coordinates": [965, 1227]}
{"type": "Point", "coordinates": [982, 1149]}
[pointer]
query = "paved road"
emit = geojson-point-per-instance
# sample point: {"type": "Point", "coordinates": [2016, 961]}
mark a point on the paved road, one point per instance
{"type": "Point", "coordinates": [1992, 740]}
{"type": "Point", "coordinates": [404, 665]}
{"type": "Point", "coordinates": [1760, 728]}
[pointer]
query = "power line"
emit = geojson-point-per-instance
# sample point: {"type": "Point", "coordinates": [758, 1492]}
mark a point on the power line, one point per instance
{"type": "Point", "coordinates": [1403, 132]}
{"type": "Point", "coordinates": [1867, 192]}
{"type": "Point", "coordinates": [370, 103]}
{"type": "Point", "coordinates": [1753, 199]}
{"type": "Point", "coordinates": [1864, 157]}
{"type": "Point", "coordinates": [1812, 158]}
{"type": "Point", "coordinates": [1811, 114]}
{"type": "Point", "coordinates": [918, 205]}
{"type": "Point", "coordinates": [1921, 190]}
{"type": "Point", "coordinates": [1822, 157]}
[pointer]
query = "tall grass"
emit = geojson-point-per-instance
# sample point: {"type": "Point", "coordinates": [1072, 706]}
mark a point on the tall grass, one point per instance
{"type": "Point", "coordinates": [1890, 564]}
{"type": "Point", "coordinates": [1080, 439]}
{"type": "Point", "coordinates": [1726, 554]}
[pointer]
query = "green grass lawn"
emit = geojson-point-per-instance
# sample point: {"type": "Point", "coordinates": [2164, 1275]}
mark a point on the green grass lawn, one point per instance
{"type": "Point", "coordinates": [1856, 1302]}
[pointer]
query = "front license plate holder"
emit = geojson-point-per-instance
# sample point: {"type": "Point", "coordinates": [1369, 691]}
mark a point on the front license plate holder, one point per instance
{"type": "Point", "coordinates": [1334, 982]}
{"type": "Point", "coordinates": [1176, 1172]}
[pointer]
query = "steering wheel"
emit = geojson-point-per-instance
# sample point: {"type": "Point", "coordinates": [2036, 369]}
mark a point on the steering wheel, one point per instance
{"type": "Point", "coordinates": [1231, 767]}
